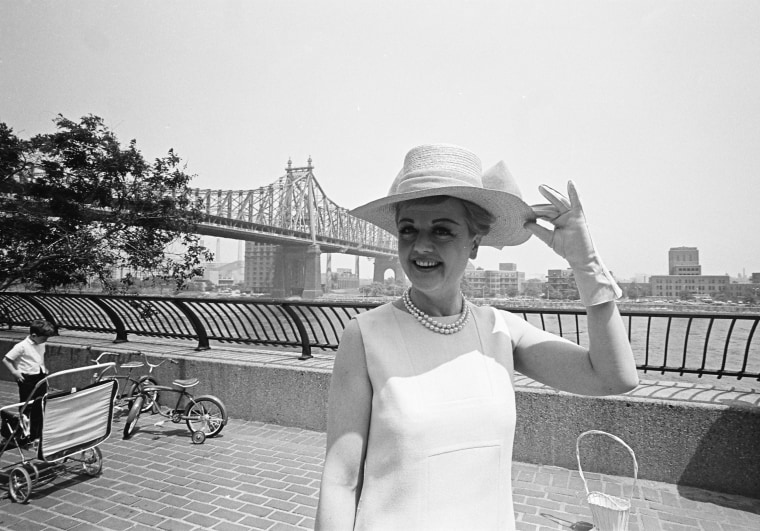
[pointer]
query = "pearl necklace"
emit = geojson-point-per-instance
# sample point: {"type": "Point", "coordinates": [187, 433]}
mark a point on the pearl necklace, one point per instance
{"type": "Point", "coordinates": [433, 325]}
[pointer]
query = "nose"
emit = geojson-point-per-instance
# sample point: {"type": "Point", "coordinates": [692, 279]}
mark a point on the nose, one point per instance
{"type": "Point", "coordinates": [422, 243]}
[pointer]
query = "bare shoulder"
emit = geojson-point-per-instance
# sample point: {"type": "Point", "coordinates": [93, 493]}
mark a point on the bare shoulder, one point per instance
{"type": "Point", "coordinates": [350, 357]}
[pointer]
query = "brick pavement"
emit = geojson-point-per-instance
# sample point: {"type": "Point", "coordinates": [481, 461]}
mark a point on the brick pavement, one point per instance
{"type": "Point", "coordinates": [264, 476]}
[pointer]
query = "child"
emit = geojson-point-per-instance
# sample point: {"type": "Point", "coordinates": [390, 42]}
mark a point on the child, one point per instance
{"type": "Point", "coordinates": [26, 363]}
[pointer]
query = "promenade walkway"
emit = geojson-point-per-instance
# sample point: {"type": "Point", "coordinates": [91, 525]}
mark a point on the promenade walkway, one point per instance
{"type": "Point", "coordinates": [265, 476]}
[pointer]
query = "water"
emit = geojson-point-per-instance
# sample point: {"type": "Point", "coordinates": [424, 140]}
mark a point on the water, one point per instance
{"type": "Point", "coordinates": [695, 350]}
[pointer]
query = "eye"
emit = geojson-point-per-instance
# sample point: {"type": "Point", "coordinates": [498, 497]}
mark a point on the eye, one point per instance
{"type": "Point", "coordinates": [443, 232]}
{"type": "Point", "coordinates": [406, 230]}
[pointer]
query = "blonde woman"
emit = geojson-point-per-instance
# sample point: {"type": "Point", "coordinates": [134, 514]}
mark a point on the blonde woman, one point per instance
{"type": "Point", "coordinates": [421, 410]}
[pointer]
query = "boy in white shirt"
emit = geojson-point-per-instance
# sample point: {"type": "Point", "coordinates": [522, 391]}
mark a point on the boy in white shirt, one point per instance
{"type": "Point", "coordinates": [26, 363]}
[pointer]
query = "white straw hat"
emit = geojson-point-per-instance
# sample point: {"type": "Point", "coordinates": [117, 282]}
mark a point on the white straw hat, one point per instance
{"type": "Point", "coordinates": [444, 169]}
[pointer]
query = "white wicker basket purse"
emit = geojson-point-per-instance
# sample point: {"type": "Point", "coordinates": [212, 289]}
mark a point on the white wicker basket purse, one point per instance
{"type": "Point", "coordinates": [610, 513]}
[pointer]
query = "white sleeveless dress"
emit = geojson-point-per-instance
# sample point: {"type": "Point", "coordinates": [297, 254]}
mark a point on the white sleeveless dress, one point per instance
{"type": "Point", "coordinates": [439, 454]}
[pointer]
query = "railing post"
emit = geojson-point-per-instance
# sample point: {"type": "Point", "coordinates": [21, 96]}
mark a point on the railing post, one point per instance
{"type": "Point", "coordinates": [32, 299]}
{"type": "Point", "coordinates": [305, 345]}
{"type": "Point", "coordinates": [203, 343]}
{"type": "Point", "coordinates": [121, 330]}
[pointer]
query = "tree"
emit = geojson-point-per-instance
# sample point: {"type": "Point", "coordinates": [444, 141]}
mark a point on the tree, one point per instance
{"type": "Point", "coordinates": [76, 206]}
{"type": "Point", "coordinates": [532, 289]}
{"type": "Point", "coordinates": [375, 289]}
{"type": "Point", "coordinates": [466, 288]}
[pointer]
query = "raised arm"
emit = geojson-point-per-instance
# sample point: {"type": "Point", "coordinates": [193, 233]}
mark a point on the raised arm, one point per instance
{"type": "Point", "coordinates": [349, 406]}
{"type": "Point", "coordinates": [607, 366]}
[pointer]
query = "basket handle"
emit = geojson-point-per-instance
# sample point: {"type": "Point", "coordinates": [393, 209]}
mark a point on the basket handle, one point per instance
{"type": "Point", "coordinates": [614, 437]}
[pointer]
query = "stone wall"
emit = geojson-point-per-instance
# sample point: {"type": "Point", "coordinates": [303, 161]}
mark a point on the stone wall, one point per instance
{"type": "Point", "coordinates": [692, 442]}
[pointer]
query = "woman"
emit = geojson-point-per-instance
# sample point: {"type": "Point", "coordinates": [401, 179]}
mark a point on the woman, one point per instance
{"type": "Point", "coordinates": [421, 408]}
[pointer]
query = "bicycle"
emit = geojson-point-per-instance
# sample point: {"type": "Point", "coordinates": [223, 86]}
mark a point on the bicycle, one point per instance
{"type": "Point", "coordinates": [205, 415]}
{"type": "Point", "coordinates": [128, 386]}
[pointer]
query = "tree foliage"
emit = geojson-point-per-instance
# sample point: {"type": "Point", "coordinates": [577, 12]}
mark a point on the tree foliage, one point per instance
{"type": "Point", "coordinates": [77, 206]}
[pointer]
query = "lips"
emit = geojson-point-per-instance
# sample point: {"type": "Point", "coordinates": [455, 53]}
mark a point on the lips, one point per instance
{"type": "Point", "coordinates": [425, 264]}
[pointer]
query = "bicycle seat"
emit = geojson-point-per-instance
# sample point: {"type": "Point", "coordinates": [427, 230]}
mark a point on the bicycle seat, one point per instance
{"type": "Point", "coordinates": [191, 382]}
{"type": "Point", "coordinates": [131, 365]}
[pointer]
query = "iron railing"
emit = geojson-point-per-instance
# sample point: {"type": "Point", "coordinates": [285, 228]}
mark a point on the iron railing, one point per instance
{"type": "Point", "coordinates": [721, 344]}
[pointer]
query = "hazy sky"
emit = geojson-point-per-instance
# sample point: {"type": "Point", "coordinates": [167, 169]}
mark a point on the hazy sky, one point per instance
{"type": "Point", "coordinates": [652, 107]}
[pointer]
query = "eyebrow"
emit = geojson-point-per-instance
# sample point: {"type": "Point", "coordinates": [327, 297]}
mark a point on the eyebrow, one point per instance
{"type": "Point", "coordinates": [437, 220]}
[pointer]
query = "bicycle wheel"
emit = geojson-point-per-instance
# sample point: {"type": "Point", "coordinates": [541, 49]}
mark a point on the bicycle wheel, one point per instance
{"type": "Point", "coordinates": [206, 414]}
{"type": "Point", "coordinates": [134, 413]}
{"type": "Point", "coordinates": [150, 396]}
{"type": "Point", "coordinates": [92, 461]}
{"type": "Point", "coordinates": [19, 484]}
{"type": "Point", "coordinates": [121, 404]}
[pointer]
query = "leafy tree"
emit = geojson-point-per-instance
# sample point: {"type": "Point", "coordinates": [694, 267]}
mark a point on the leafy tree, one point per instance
{"type": "Point", "coordinates": [77, 206]}
{"type": "Point", "coordinates": [393, 287]}
{"type": "Point", "coordinates": [532, 289]}
{"type": "Point", "coordinates": [375, 289]}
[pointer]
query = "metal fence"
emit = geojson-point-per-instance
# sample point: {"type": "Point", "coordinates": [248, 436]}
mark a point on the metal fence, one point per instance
{"type": "Point", "coordinates": [721, 344]}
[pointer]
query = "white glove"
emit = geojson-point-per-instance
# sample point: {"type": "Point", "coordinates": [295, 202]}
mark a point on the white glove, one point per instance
{"type": "Point", "coordinates": [572, 241]}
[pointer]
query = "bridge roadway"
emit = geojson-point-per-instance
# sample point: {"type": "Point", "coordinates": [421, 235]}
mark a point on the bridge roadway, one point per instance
{"type": "Point", "coordinates": [265, 476]}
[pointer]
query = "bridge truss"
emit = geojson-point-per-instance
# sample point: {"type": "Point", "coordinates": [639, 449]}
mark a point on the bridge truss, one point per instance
{"type": "Point", "coordinates": [293, 209]}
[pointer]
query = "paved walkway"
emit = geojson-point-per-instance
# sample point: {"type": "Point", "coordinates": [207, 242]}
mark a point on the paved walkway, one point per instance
{"type": "Point", "coordinates": [263, 476]}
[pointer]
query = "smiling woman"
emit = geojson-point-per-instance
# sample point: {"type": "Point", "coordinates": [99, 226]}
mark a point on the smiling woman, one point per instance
{"type": "Point", "coordinates": [421, 409]}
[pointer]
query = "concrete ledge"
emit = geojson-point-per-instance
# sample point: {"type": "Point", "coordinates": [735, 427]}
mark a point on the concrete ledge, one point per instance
{"type": "Point", "coordinates": [689, 435]}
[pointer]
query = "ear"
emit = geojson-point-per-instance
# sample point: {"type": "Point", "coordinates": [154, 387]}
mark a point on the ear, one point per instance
{"type": "Point", "coordinates": [475, 246]}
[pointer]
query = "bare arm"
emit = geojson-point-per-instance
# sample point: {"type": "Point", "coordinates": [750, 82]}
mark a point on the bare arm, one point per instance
{"type": "Point", "coordinates": [17, 376]}
{"type": "Point", "coordinates": [607, 367]}
{"type": "Point", "coordinates": [348, 411]}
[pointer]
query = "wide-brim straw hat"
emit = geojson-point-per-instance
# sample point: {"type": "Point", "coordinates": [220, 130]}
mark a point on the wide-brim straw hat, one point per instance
{"type": "Point", "coordinates": [448, 170]}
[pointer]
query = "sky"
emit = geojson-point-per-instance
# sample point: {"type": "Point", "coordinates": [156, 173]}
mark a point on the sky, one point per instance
{"type": "Point", "coordinates": [651, 107]}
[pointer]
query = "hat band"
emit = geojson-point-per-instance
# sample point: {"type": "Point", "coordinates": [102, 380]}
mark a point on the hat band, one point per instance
{"type": "Point", "coordinates": [428, 182]}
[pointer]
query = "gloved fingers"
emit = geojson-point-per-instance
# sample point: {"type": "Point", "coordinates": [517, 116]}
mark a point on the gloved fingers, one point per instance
{"type": "Point", "coordinates": [572, 193]}
{"type": "Point", "coordinates": [555, 198]}
{"type": "Point", "coordinates": [546, 211]}
{"type": "Point", "coordinates": [542, 233]}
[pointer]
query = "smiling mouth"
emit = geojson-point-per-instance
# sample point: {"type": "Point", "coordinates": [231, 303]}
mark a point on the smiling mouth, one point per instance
{"type": "Point", "coordinates": [426, 264]}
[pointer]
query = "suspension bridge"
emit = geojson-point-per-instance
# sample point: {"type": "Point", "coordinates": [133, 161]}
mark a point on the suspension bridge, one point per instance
{"type": "Point", "coordinates": [295, 214]}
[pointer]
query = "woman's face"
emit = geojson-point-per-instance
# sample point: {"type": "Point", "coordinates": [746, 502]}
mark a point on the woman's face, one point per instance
{"type": "Point", "coordinates": [434, 244]}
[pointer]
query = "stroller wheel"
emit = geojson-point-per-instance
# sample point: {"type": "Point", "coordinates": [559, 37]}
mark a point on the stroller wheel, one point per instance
{"type": "Point", "coordinates": [19, 485]}
{"type": "Point", "coordinates": [92, 461]}
{"type": "Point", "coordinates": [35, 471]}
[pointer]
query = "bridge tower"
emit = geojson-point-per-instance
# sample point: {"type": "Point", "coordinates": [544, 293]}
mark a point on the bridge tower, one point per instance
{"type": "Point", "coordinates": [383, 264]}
{"type": "Point", "coordinates": [298, 265]}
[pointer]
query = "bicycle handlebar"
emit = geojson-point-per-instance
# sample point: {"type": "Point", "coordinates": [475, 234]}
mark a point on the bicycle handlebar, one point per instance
{"type": "Point", "coordinates": [154, 365]}
{"type": "Point", "coordinates": [136, 352]}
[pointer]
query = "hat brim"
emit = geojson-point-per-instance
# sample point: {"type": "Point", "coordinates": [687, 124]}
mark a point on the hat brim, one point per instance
{"type": "Point", "coordinates": [510, 211]}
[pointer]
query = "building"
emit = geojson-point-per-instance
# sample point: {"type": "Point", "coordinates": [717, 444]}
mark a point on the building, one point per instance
{"type": "Point", "coordinates": [684, 261]}
{"type": "Point", "coordinates": [342, 278]}
{"type": "Point", "coordinates": [560, 284]}
{"type": "Point", "coordinates": [224, 274]}
{"type": "Point", "coordinates": [507, 281]}
{"type": "Point", "coordinates": [678, 286]}
{"type": "Point", "coordinates": [259, 266]}
{"type": "Point", "coordinates": [685, 277]}
{"type": "Point", "coordinates": [741, 291]}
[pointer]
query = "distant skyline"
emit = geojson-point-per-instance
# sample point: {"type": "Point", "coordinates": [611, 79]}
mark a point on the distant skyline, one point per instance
{"type": "Point", "coordinates": [230, 252]}
{"type": "Point", "coordinates": [650, 106]}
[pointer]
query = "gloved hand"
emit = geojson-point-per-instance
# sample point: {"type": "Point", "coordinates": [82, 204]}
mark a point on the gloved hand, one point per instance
{"type": "Point", "coordinates": [572, 241]}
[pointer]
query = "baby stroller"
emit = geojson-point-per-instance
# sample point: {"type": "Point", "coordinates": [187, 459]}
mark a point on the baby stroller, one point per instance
{"type": "Point", "coordinates": [74, 423]}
